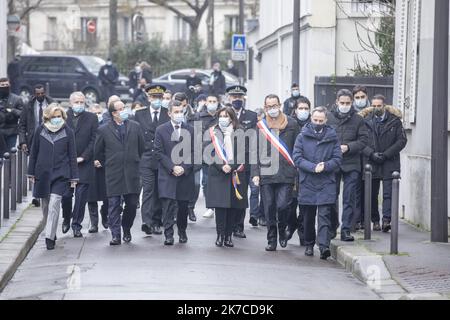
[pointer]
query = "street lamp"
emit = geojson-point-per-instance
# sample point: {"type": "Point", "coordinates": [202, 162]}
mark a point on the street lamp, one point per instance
{"type": "Point", "coordinates": [13, 22]}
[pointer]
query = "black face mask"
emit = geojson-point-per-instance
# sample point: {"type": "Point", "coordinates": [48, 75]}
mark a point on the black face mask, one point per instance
{"type": "Point", "coordinates": [379, 112]}
{"type": "Point", "coordinates": [40, 98]}
{"type": "Point", "coordinates": [4, 92]}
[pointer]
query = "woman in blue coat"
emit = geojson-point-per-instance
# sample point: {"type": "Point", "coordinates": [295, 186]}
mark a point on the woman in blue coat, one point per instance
{"type": "Point", "coordinates": [53, 166]}
{"type": "Point", "coordinates": [317, 155]}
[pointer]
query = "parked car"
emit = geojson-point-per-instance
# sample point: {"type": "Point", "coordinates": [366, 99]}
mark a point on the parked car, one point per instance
{"type": "Point", "coordinates": [64, 74]}
{"type": "Point", "coordinates": [175, 81]}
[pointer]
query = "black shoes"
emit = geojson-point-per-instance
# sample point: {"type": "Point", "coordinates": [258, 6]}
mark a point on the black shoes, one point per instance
{"type": "Point", "coordinates": [65, 226]}
{"type": "Point", "coordinates": [77, 234]}
{"type": "Point", "coordinates": [253, 222]}
{"type": "Point", "coordinates": [325, 253]}
{"type": "Point", "coordinates": [36, 203]}
{"type": "Point", "coordinates": [376, 226]}
{"type": "Point", "coordinates": [105, 224]}
{"type": "Point", "coordinates": [127, 236]}
{"type": "Point", "coordinates": [156, 230]}
{"type": "Point", "coordinates": [50, 244]}
{"type": "Point", "coordinates": [192, 216]}
{"type": "Point", "coordinates": [115, 242]}
{"type": "Point", "coordinates": [93, 229]}
{"type": "Point", "coordinates": [386, 226]}
{"type": "Point", "coordinates": [271, 247]}
{"type": "Point", "coordinates": [145, 228]}
{"type": "Point", "coordinates": [240, 234]}
{"type": "Point", "coordinates": [183, 237]}
{"type": "Point", "coordinates": [169, 242]}
{"type": "Point", "coordinates": [309, 252]}
{"type": "Point", "coordinates": [346, 236]}
{"type": "Point", "coordinates": [284, 239]}
{"type": "Point", "coordinates": [228, 242]}
{"type": "Point", "coordinates": [220, 240]}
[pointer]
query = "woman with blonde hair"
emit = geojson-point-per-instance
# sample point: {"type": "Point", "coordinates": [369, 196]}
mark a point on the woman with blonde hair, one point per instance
{"type": "Point", "coordinates": [53, 166]}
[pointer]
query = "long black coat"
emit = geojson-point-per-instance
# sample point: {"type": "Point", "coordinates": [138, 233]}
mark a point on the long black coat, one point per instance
{"type": "Point", "coordinates": [169, 186]}
{"type": "Point", "coordinates": [390, 140]}
{"type": "Point", "coordinates": [120, 160]}
{"type": "Point", "coordinates": [27, 122]}
{"type": "Point", "coordinates": [351, 131]}
{"type": "Point", "coordinates": [9, 121]}
{"type": "Point", "coordinates": [85, 134]}
{"type": "Point", "coordinates": [311, 149]}
{"type": "Point", "coordinates": [286, 172]}
{"type": "Point", "coordinates": [248, 120]}
{"type": "Point", "coordinates": [53, 157]}
{"type": "Point", "coordinates": [220, 192]}
{"type": "Point", "coordinates": [148, 127]}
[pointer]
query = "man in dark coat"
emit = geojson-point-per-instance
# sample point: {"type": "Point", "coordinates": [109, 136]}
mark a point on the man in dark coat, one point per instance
{"type": "Point", "coordinates": [317, 154]}
{"type": "Point", "coordinates": [11, 107]}
{"type": "Point", "coordinates": [352, 134]}
{"type": "Point", "coordinates": [247, 120]}
{"type": "Point", "coordinates": [85, 125]}
{"type": "Point", "coordinates": [276, 181]}
{"type": "Point", "coordinates": [108, 76]}
{"type": "Point", "coordinates": [175, 176]}
{"type": "Point", "coordinates": [31, 117]}
{"type": "Point", "coordinates": [149, 119]}
{"type": "Point", "coordinates": [291, 103]}
{"type": "Point", "coordinates": [218, 83]}
{"type": "Point", "coordinates": [386, 139]}
{"type": "Point", "coordinates": [119, 148]}
{"type": "Point", "coordinates": [134, 77]}
{"type": "Point", "coordinates": [193, 87]}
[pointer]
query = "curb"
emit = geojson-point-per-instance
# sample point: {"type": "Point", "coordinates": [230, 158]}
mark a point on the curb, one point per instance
{"type": "Point", "coordinates": [18, 242]}
{"type": "Point", "coordinates": [369, 268]}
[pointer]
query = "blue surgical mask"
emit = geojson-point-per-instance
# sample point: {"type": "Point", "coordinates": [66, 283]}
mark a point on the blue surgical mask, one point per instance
{"type": "Point", "coordinates": [344, 109]}
{"type": "Point", "coordinates": [361, 103]}
{"type": "Point", "coordinates": [157, 104]}
{"type": "Point", "coordinates": [296, 93]}
{"type": "Point", "coordinates": [124, 115]}
{"type": "Point", "coordinates": [56, 121]}
{"type": "Point", "coordinates": [165, 104]}
{"type": "Point", "coordinates": [178, 118]}
{"type": "Point", "coordinates": [224, 122]}
{"type": "Point", "coordinates": [302, 115]}
{"type": "Point", "coordinates": [212, 107]}
{"type": "Point", "coordinates": [78, 108]}
{"type": "Point", "coordinates": [238, 104]}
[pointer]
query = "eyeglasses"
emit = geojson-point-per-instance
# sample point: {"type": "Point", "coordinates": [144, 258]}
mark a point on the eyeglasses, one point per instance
{"type": "Point", "coordinates": [275, 106]}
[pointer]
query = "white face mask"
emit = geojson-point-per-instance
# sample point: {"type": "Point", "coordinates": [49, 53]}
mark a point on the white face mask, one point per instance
{"type": "Point", "coordinates": [273, 113]}
{"type": "Point", "coordinates": [344, 109]}
{"type": "Point", "coordinates": [302, 115]}
{"type": "Point", "coordinates": [178, 118]}
{"type": "Point", "coordinates": [224, 122]}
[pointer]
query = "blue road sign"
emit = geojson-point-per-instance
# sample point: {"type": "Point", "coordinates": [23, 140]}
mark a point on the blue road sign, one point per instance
{"type": "Point", "coordinates": [239, 43]}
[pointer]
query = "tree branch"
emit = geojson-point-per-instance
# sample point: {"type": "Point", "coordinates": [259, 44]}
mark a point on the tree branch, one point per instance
{"type": "Point", "coordinates": [29, 9]}
{"type": "Point", "coordinates": [164, 4]}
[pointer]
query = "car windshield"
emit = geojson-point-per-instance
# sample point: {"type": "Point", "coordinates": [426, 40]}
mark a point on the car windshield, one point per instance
{"type": "Point", "coordinates": [93, 64]}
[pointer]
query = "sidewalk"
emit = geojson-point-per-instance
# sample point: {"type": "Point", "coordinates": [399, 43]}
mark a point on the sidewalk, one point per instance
{"type": "Point", "coordinates": [421, 270]}
{"type": "Point", "coordinates": [17, 237]}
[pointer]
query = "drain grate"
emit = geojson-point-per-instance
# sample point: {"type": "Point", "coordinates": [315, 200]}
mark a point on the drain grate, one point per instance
{"type": "Point", "coordinates": [423, 280]}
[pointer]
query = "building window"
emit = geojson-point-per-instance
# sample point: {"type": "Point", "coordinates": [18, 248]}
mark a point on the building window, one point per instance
{"type": "Point", "coordinates": [86, 36]}
{"type": "Point", "coordinates": [181, 29]}
{"type": "Point", "coordinates": [231, 27]}
{"type": "Point", "coordinates": [52, 37]}
{"type": "Point", "coordinates": [370, 6]}
{"type": "Point", "coordinates": [126, 32]}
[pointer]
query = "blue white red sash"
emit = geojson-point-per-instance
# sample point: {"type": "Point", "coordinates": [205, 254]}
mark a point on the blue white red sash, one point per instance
{"type": "Point", "coordinates": [275, 141]}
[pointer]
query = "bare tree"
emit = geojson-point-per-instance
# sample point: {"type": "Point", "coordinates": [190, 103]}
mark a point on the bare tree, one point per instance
{"type": "Point", "coordinates": [198, 7]}
{"type": "Point", "coordinates": [113, 32]}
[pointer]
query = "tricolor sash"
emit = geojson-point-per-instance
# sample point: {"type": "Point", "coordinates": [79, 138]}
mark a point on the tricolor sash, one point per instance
{"type": "Point", "coordinates": [221, 153]}
{"type": "Point", "coordinates": [275, 141]}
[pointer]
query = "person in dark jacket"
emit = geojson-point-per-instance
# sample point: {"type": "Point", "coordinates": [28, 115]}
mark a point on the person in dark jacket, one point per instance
{"type": "Point", "coordinates": [140, 95]}
{"type": "Point", "coordinates": [53, 166]}
{"type": "Point", "coordinates": [387, 139]}
{"type": "Point", "coordinates": [303, 116]}
{"type": "Point", "coordinates": [11, 107]}
{"type": "Point", "coordinates": [217, 82]}
{"type": "Point", "coordinates": [97, 189]}
{"type": "Point", "coordinates": [118, 148]}
{"type": "Point", "coordinates": [149, 119]}
{"type": "Point", "coordinates": [277, 134]}
{"type": "Point", "coordinates": [108, 76]}
{"type": "Point", "coordinates": [85, 125]}
{"type": "Point", "coordinates": [224, 191]}
{"type": "Point", "coordinates": [352, 134]}
{"type": "Point", "coordinates": [134, 77]}
{"type": "Point", "coordinates": [317, 155]}
{"type": "Point", "coordinates": [175, 176]}
{"type": "Point", "coordinates": [193, 87]}
{"type": "Point", "coordinates": [291, 103]}
{"type": "Point", "coordinates": [147, 72]}
{"type": "Point", "coordinates": [232, 69]}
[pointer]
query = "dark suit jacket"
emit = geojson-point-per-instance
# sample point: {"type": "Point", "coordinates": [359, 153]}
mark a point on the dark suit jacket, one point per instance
{"type": "Point", "coordinates": [169, 186]}
{"type": "Point", "coordinates": [120, 160]}
{"type": "Point", "coordinates": [85, 135]}
{"type": "Point", "coordinates": [144, 118]}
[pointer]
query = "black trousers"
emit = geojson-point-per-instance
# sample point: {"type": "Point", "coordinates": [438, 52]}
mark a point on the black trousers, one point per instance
{"type": "Point", "coordinates": [225, 220]}
{"type": "Point", "coordinates": [240, 215]}
{"type": "Point", "coordinates": [323, 228]}
{"type": "Point", "coordinates": [387, 199]}
{"type": "Point", "coordinates": [93, 212]}
{"type": "Point", "coordinates": [296, 222]}
{"type": "Point", "coordinates": [172, 209]}
{"type": "Point", "coordinates": [151, 205]}
{"type": "Point", "coordinates": [115, 210]}
{"type": "Point", "coordinates": [77, 214]}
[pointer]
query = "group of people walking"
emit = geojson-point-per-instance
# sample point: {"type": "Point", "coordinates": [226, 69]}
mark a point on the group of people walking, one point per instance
{"type": "Point", "coordinates": [287, 159]}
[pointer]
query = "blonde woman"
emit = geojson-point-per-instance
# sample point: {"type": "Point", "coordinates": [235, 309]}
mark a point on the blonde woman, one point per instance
{"type": "Point", "coordinates": [53, 166]}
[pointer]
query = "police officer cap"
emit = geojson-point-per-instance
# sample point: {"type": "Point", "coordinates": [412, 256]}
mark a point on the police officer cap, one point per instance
{"type": "Point", "coordinates": [237, 91]}
{"type": "Point", "coordinates": [153, 89]}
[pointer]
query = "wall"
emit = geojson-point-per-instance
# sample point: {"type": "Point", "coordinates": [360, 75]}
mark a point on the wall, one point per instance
{"type": "Point", "coordinates": [3, 37]}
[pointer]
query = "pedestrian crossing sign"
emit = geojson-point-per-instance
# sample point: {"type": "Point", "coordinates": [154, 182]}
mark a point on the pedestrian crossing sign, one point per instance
{"type": "Point", "coordinates": [239, 43]}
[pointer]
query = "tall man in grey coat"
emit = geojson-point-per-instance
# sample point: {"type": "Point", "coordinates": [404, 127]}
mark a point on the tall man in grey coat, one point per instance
{"type": "Point", "coordinates": [119, 148]}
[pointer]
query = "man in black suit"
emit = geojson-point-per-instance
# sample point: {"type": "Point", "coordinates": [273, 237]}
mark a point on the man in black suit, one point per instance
{"type": "Point", "coordinates": [85, 125]}
{"type": "Point", "coordinates": [150, 119]}
{"type": "Point", "coordinates": [119, 148]}
{"type": "Point", "coordinates": [247, 120]}
{"type": "Point", "coordinates": [176, 175]}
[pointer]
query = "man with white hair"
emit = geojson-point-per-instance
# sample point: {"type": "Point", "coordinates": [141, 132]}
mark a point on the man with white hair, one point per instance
{"type": "Point", "coordinates": [85, 125]}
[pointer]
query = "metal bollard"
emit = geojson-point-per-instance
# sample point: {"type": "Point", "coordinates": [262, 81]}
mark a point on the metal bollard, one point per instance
{"type": "Point", "coordinates": [367, 201]}
{"type": "Point", "coordinates": [6, 178]}
{"type": "Point", "coordinates": [13, 179]}
{"type": "Point", "coordinates": [47, 91]}
{"type": "Point", "coordinates": [394, 211]}
{"type": "Point", "coordinates": [19, 176]}
{"type": "Point", "coordinates": [24, 175]}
